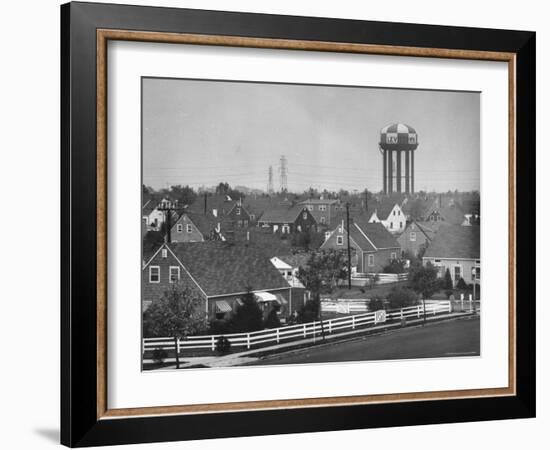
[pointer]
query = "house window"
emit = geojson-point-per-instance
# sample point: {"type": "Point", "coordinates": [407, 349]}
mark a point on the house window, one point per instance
{"type": "Point", "coordinates": [393, 256]}
{"type": "Point", "coordinates": [238, 211]}
{"type": "Point", "coordinates": [400, 224]}
{"type": "Point", "coordinates": [252, 216]}
{"type": "Point", "coordinates": [304, 216]}
{"type": "Point", "coordinates": [164, 253]}
{"type": "Point", "coordinates": [391, 224]}
{"type": "Point", "coordinates": [339, 240]}
{"type": "Point", "coordinates": [478, 273]}
{"type": "Point", "coordinates": [285, 228]}
{"type": "Point", "coordinates": [189, 228]}
{"type": "Point", "coordinates": [174, 274]}
{"type": "Point", "coordinates": [323, 219]}
{"type": "Point", "coordinates": [457, 273]}
{"type": "Point", "coordinates": [154, 274]}
{"type": "Point", "coordinates": [412, 236]}
{"type": "Point", "coordinates": [179, 227]}
{"type": "Point", "coordinates": [322, 207]}
{"type": "Point", "coordinates": [310, 207]}
{"type": "Point", "coordinates": [239, 223]}
{"type": "Point", "coordinates": [371, 260]}
{"type": "Point", "coordinates": [394, 212]}
{"type": "Point", "coordinates": [327, 235]}
{"type": "Point", "coordinates": [145, 220]}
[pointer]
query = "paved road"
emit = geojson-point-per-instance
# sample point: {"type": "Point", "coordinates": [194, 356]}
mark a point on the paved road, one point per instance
{"type": "Point", "coordinates": [443, 339]}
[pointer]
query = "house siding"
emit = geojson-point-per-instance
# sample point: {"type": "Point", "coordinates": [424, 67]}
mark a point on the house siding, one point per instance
{"type": "Point", "coordinates": [184, 236]}
{"type": "Point", "coordinates": [332, 243]}
{"type": "Point", "coordinates": [415, 246]}
{"type": "Point", "coordinates": [154, 291]}
{"type": "Point", "coordinates": [381, 259]}
{"type": "Point", "coordinates": [465, 264]}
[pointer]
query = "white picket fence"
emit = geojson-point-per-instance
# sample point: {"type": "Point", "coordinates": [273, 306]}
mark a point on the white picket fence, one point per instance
{"type": "Point", "coordinates": [295, 332]}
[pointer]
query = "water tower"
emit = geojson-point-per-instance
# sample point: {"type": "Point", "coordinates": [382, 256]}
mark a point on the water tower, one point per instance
{"type": "Point", "coordinates": [395, 140]}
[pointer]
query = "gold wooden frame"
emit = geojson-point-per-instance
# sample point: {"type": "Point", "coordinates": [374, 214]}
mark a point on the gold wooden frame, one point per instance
{"type": "Point", "coordinates": [103, 36]}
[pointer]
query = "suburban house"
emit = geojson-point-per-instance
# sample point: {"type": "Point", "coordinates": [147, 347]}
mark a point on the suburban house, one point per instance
{"type": "Point", "coordinates": [324, 211]}
{"type": "Point", "coordinates": [389, 214]}
{"type": "Point", "coordinates": [195, 227]}
{"type": "Point", "coordinates": [288, 219]}
{"type": "Point", "coordinates": [416, 237]}
{"type": "Point", "coordinates": [152, 216]}
{"type": "Point", "coordinates": [456, 248]}
{"type": "Point", "coordinates": [373, 246]}
{"type": "Point", "coordinates": [288, 266]}
{"type": "Point", "coordinates": [217, 273]}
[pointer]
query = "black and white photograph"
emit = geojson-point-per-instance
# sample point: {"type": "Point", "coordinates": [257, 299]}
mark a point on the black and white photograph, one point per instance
{"type": "Point", "coordinates": [306, 224]}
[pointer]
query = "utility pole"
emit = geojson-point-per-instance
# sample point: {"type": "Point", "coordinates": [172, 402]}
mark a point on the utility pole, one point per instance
{"type": "Point", "coordinates": [270, 181]}
{"type": "Point", "coordinates": [349, 248]}
{"type": "Point", "coordinates": [168, 208]}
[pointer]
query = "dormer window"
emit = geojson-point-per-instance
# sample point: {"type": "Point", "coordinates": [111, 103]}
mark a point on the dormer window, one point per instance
{"type": "Point", "coordinates": [164, 253]}
{"type": "Point", "coordinates": [179, 227]}
{"type": "Point", "coordinates": [238, 211]}
{"type": "Point", "coordinates": [339, 240]}
{"type": "Point", "coordinates": [189, 228]}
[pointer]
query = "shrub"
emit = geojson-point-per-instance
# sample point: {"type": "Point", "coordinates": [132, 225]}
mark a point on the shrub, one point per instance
{"type": "Point", "coordinates": [272, 319]}
{"type": "Point", "coordinates": [448, 292]}
{"type": "Point", "coordinates": [309, 312]}
{"type": "Point", "coordinates": [219, 326]}
{"type": "Point", "coordinates": [159, 355]}
{"type": "Point", "coordinates": [447, 281]}
{"type": "Point", "coordinates": [223, 345]}
{"type": "Point", "coordinates": [461, 284]}
{"type": "Point", "coordinates": [400, 297]}
{"type": "Point", "coordinates": [376, 303]}
{"type": "Point", "coordinates": [248, 316]}
{"type": "Point", "coordinates": [395, 266]}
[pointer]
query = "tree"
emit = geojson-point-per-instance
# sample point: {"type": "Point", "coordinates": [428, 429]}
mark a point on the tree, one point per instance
{"type": "Point", "coordinates": [307, 240]}
{"type": "Point", "coordinates": [423, 279]}
{"type": "Point", "coordinates": [248, 316]}
{"type": "Point", "coordinates": [175, 314]}
{"type": "Point", "coordinates": [395, 266]}
{"type": "Point", "coordinates": [448, 281]}
{"type": "Point", "coordinates": [185, 195]}
{"type": "Point", "coordinates": [401, 297]}
{"type": "Point", "coordinates": [152, 240]}
{"type": "Point", "coordinates": [321, 274]}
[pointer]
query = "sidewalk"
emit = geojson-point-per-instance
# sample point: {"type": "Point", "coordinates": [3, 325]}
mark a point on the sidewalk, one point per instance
{"type": "Point", "coordinates": [237, 359]}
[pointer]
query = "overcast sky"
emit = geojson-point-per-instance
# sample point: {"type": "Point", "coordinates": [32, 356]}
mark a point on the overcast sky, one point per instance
{"type": "Point", "coordinates": [204, 132]}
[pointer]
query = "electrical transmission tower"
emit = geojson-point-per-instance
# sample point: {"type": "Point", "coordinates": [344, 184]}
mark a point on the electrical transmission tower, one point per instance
{"type": "Point", "coordinates": [270, 181]}
{"type": "Point", "coordinates": [283, 170]}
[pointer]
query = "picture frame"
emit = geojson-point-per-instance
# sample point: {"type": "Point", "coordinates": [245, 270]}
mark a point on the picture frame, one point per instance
{"type": "Point", "coordinates": [86, 418]}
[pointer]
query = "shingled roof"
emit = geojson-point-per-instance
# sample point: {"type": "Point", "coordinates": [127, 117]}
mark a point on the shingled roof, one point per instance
{"type": "Point", "coordinates": [222, 268]}
{"type": "Point", "coordinates": [282, 214]}
{"type": "Point", "coordinates": [377, 234]}
{"type": "Point", "coordinates": [455, 241]}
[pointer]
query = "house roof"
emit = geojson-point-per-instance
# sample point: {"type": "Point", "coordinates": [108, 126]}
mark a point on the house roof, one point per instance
{"type": "Point", "coordinates": [222, 203]}
{"type": "Point", "coordinates": [318, 201]}
{"type": "Point", "coordinates": [453, 215]}
{"type": "Point", "coordinates": [222, 268]}
{"type": "Point", "coordinates": [456, 242]}
{"type": "Point", "coordinates": [296, 260]}
{"type": "Point", "coordinates": [282, 214]}
{"type": "Point", "coordinates": [371, 236]}
{"type": "Point", "coordinates": [204, 223]}
{"type": "Point", "coordinates": [377, 234]}
{"type": "Point", "coordinates": [383, 208]}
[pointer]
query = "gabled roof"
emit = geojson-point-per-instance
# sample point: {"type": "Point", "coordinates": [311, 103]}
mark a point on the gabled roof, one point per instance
{"type": "Point", "coordinates": [456, 242]}
{"type": "Point", "coordinates": [204, 223]}
{"type": "Point", "coordinates": [266, 241]}
{"type": "Point", "coordinates": [370, 237]}
{"type": "Point", "coordinates": [296, 260]}
{"type": "Point", "coordinates": [222, 268]}
{"type": "Point", "coordinates": [377, 234]}
{"type": "Point", "coordinates": [453, 215]}
{"type": "Point", "coordinates": [383, 208]}
{"type": "Point", "coordinates": [222, 203]}
{"type": "Point", "coordinates": [282, 214]}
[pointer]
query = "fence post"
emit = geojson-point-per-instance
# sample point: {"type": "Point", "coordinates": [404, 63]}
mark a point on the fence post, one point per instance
{"type": "Point", "coordinates": [248, 341]}
{"type": "Point", "coordinates": [418, 311]}
{"type": "Point", "coordinates": [449, 307]}
{"type": "Point", "coordinates": [305, 332]}
{"type": "Point", "coordinates": [471, 308]}
{"type": "Point", "coordinates": [213, 343]}
{"type": "Point", "coordinates": [177, 349]}
{"type": "Point", "coordinates": [401, 313]}
{"type": "Point", "coordinates": [277, 335]}
{"type": "Point", "coordinates": [330, 327]}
